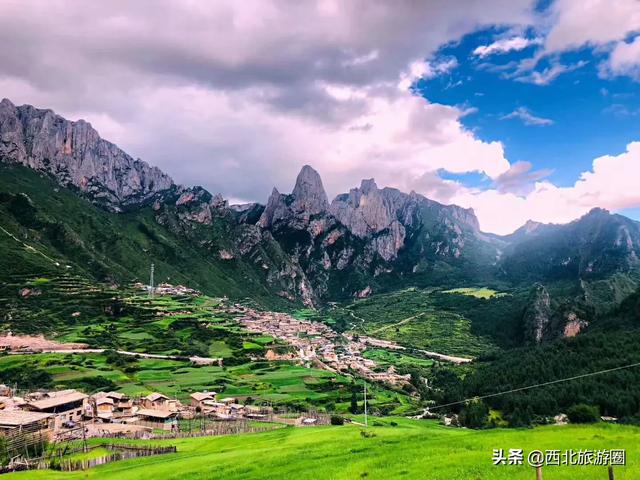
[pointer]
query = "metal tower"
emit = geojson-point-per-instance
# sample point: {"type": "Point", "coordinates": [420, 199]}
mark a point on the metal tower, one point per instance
{"type": "Point", "coordinates": [151, 286]}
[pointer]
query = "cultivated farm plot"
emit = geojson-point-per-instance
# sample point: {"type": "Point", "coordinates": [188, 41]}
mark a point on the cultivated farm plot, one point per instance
{"type": "Point", "coordinates": [279, 383]}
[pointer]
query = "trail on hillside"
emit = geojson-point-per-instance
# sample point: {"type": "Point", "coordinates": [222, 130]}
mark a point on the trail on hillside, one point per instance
{"type": "Point", "coordinates": [401, 322]}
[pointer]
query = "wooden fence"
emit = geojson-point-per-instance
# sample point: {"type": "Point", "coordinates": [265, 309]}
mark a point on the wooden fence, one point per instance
{"type": "Point", "coordinates": [121, 452]}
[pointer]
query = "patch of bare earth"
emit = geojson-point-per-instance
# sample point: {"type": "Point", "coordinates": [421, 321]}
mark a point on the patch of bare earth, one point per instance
{"type": "Point", "coordinates": [35, 343]}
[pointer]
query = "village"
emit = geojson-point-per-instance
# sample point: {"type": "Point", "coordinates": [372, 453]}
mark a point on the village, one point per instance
{"type": "Point", "coordinates": [317, 344]}
{"type": "Point", "coordinates": [71, 414]}
{"type": "Point", "coordinates": [64, 415]}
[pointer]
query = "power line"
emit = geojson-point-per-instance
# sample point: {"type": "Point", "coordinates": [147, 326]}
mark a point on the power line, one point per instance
{"type": "Point", "coordinates": [537, 385]}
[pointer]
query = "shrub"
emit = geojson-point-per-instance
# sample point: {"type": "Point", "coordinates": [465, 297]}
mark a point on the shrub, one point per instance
{"type": "Point", "coordinates": [337, 420]}
{"type": "Point", "coordinates": [583, 413]}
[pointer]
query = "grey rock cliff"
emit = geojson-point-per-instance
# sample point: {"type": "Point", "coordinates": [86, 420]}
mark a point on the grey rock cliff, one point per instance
{"type": "Point", "coordinates": [369, 211]}
{"type": "Point", "coordinates": [75, 155]}
{"type": "Point", "coordinates": [307, 199]}
{"type": "Point", "coordinates": [308, 194]}
{"type": "Point", "coordinates": [387, 215]}
{"type": "Point", "coordinates": [537, 316]}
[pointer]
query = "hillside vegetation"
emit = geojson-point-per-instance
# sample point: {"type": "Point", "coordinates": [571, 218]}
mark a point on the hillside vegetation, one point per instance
{"type": "Point", "coordinates": [50, 231]}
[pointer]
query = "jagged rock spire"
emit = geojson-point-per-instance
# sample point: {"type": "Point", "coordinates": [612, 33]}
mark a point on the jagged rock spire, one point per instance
{"type": "Point", "coordinates": [308, 194]}
{"type": "Point", "coordinates": [308, 198]}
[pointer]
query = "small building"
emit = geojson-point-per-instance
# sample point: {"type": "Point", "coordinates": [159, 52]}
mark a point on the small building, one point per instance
{"type": "Point", "coordinates": [158, 401]}
{"type": "Point", "coordinates": [67, 406]}
{"type": "Point", "coordinates": [109, 406]}
{"type": "Point", "coordinates": [217, 409]}
{"type": "Point", "coordinates": [236, 410]}
{"type": "Point", "coordinates": [257, 412]}
{"type": "Point", "coordinates": [21, 421]}
{"type": "Point", "coordinates": [122, 404]}
{"type": "Point", "coordinates": [198, 399]}
{"type": "Point", "coordinates": [160, 419]}
{"type": "Point", "coordinates": [104, 408]}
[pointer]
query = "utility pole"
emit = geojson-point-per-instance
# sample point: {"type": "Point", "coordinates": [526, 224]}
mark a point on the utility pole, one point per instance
{"type": "Point", "coordinates": [151, 279]}
{"type": "Point", "coordinates": [366, 423]}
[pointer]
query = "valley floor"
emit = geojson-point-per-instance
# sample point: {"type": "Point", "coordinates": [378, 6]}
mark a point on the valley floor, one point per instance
{"type": "Point", "coordinates": [410, 450]}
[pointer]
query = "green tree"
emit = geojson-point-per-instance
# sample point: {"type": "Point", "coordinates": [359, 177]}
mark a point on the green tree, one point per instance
{"type": "Point", "coordinates": [354, 399]}
{"type": "Point", "coordinates": [474, 415]}
{"type": "Point", "coordinates": [583, 413]}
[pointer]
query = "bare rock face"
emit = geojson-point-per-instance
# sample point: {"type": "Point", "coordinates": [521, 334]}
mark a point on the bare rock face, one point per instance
{"type": "Point", "coordinates": [197, 205]}
{"type": "Point", "coordinates": [75, 155]}
{"type": "Point", "coordinates": [537, 317]}
{"type": "Point", "coordinates": [381, 214]}
{"type": "Point", "coordinates": [308, 194]}
{"type": "Point", "coordinates": [385, 217]}
{"type": "Point", "coordinates": [307, 199]}
{"type": "Point", "coordinates": [574, 325]}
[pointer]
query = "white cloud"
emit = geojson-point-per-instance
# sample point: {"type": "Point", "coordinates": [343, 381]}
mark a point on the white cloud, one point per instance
{"type": "Point", "coordinates": [549, 74]}
{"type": "Point", "coordinates": [238, 95]}
{"type": "Point", "coordinates": [362, 59]}
{"type": "Point", "coordinates": [426, 70]}
{"type": "Point", "coordinates": [568, 25]}
{"type": "Point", "coordinates": [600, 24]}
{"type": "Point", "coordinates": [624, 59]}
{"type": "Point", "coordinates": [528, 118]}
{"type": "Point", "coordinates": [611, 183]}
{"type": "Point", "coordinates": [505, 45]}
{"type": "Point", "coordinates": [590, 22]}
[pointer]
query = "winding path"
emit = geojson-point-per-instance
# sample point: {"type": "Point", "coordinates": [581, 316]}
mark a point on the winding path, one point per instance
{"type": "Point", "coordinates": [194, 359]}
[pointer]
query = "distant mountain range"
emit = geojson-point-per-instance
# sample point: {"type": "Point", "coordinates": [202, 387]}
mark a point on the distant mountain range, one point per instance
{"type": "Point", "coordinates": [118, 214]}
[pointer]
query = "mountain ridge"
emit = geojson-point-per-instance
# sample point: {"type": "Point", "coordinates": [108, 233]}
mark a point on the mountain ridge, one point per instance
{"type": "Point", "coordinates": [76, 155]}
{"type": "Point", "coordinates": [304, 248]}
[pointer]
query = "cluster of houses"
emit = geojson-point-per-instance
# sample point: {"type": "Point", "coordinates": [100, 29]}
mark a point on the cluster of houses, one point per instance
{"type": "Point", "coordinates": [55, 413]}
{"type": "Point", "coordinates": [317, 344]}
{"type": "Point", "coordinates": [168, 289]}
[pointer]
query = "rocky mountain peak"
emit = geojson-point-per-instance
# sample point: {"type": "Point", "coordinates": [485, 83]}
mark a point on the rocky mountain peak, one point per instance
{"type": "Point", "coordinates": [368, 185]}
{"type": "Point", "coordinates": [308, 198]}
{"type": "Point", "coordinates": [75, 155]}
{"type": "Point", "coordinates": [597, 212]}
{"type": "Point", "coordinates": [308, 194]}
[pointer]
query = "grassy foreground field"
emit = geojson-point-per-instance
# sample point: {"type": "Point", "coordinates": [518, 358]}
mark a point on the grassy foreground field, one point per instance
{"type": "Point", "coordinates": [410, 450]}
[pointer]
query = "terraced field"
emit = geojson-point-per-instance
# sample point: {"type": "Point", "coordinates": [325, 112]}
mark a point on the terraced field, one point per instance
{"type": "Point", "coordinates": [72, 309]}
{"type": "Point", "coordinates": [281, 383]}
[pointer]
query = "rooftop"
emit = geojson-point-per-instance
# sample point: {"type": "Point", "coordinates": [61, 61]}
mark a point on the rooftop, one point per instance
{"type": "Point", "coordinates": [15, 418]}
{"type": "Point", "coordinates": [72, 396]}
{"type": "Point", "coordinates": [147, 412]}
{"type": "Point", "coordinates": [152, 397]}
{"type": "Point", "coordinates": [199, 396]}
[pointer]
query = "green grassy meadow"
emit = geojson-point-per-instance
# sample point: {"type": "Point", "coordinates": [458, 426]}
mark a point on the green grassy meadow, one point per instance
{"type": "Point", "coordinates": [413, 318]}
{"type": "Point", "coordinates": [476, 292]}
{"type": "Point", "coordinates": [411, 450]}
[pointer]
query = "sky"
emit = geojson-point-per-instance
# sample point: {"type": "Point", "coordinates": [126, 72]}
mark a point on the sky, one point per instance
{"type": "Point", "coordinates": [522, 110]}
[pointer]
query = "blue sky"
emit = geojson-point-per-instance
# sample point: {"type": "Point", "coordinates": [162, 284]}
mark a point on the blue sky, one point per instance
{"type": "Point", "coordinates": [583, 116]}
{"type": "Point", "coordinates": [519, 109]}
